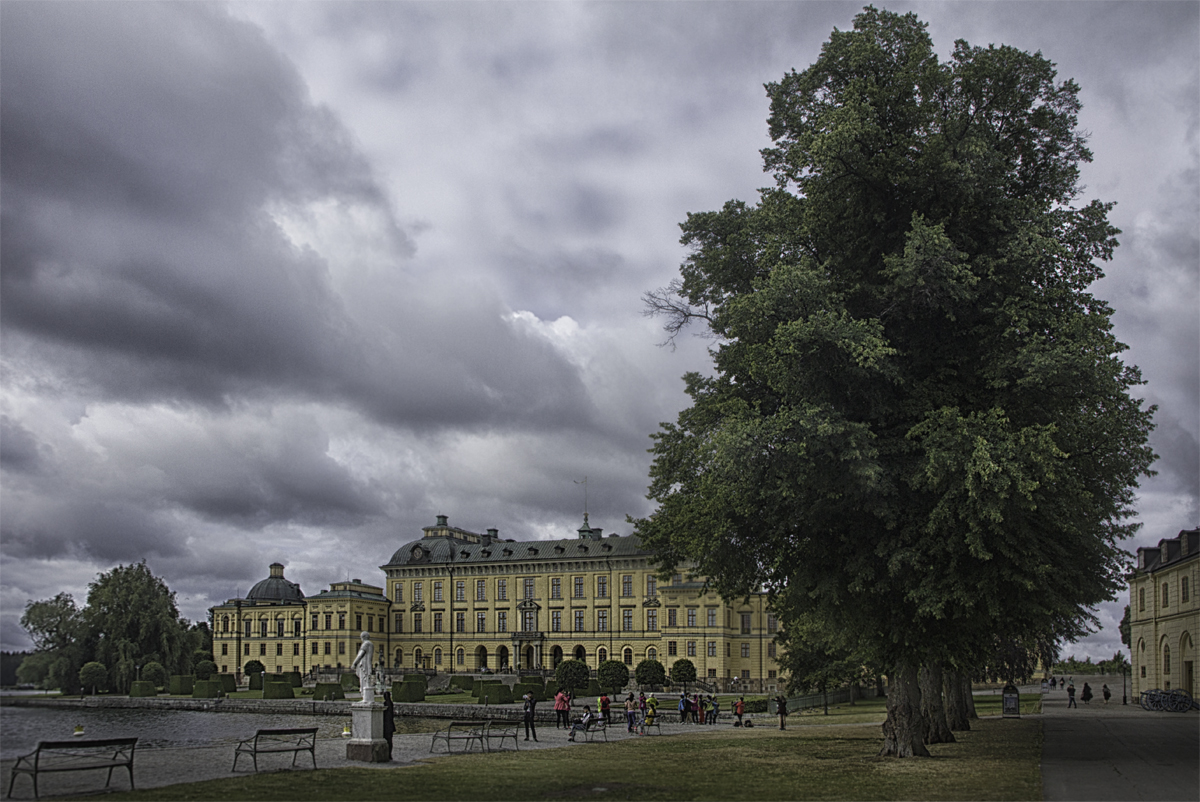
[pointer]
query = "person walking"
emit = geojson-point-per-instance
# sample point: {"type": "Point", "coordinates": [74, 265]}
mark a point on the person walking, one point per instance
{"type": "Point", "coordinates": [781, 708]}
{"type": "Point", "coordinates": [528, 709]}
{"type": "Point", "coordinates": [562, 708]}
{"type": "Point", "coordinates": [683, 708]}
{"type": "Point", "coordinates": [631, 712]}
{"type": "Point", "coordinates": [1071, 697]}
{"type": "Point", "coordinates": [1106, 692]}
{"type": "Point", "coordinates": [1087, 694]}
{"type": "Point", "coordinates": [603, 704]}
{"type": "Point", "coordinates": [739, 709]}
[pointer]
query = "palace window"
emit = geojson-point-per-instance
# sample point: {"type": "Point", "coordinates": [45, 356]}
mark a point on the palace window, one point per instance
{"type": "Point", "coordinates": [556, 621]}
{"type": "Point", "coordinates": [771, 674]}
{"type": "Point", "coordinates": [691, 617]}
{"type": "Point", "coordinates": [224, 649]}
{"type": "Point", "coordinates": [399, 623]}
{"type": "Point", "coordinates": [627, 620]}
{"type": "Point", "coordinates": [316, 648]}
{"type": "Point", "coordinates": [341, 647]}
{"type": "Point", "coordinates": [528, 622]}
{"type": "Point", "coordinates": [691, 648]}
{"type": "Point", "coordinates": [316, 620]}
{"type": "Point", "coordinates": [628, 656]}
{"type": "Point", "coordinates": [772, 623]}
{"type": "Point", "coordinates": [279, 628]}
{"type": "Point", "coordinates": [328, 648]}
{"type": "Point", "coordinates": [1165, 595]}
{"type": "Point", "coordinates": [502, 621]}
{"type": "Point", "coordinates": [460, 622]}
{"type": "Point", "coordinates": [579, 587]}
{"type": "Point", "coordinates": [1183, 588]}
{"type": "Point", "coordinates": [712, 616]}
{"type": "Point", "coordinates": [437, 591]}
{"type": "Point", "coordinates": [579, 620]}
{"type": "Point", "coordinates": [627, 585]}
{"type": "Point", "coordinates": [399, 591]}
{"type": "Point", "coordinates": [601, 587]}
{"type": "Point", "coordinates": [1141, 599]}
{"type": "Point", "coordinates": [371, 623]}
{"type": "Point", "coordinates": [602, 620]}
{"type": "Point", "coordinates": [529, 587]}
{"type": "Point", "coordinates": [601, 655]}
{"type": "Point", "coordinates": [556, 588]}
{"type": "Point", "coordinates": [652, 586]}
{"type": "Point", "coordinates": [341, 620]}
{"type": "Point", "coordinates": [329, 620]}
{"type": "Point", "coordinates": [224, 623]}
{"type": "Point", "coordinates": [1166, 660]}
{"type": "Point", "coordinates": [481, 622]}
{"type": "Point", "coordinates": [297, 627]}
{"type": "Point", "coordinates": [501, 590]}
{"type": "Point", "coordinates": [672, 617]}
{"type": "Point", "coordinates": [728, 648]}
{"type": "Point", "coordinates": [652, 620]}
{"type": "Point", "coordinates": [480, 590]}
{"type": "Point", "coordinates": [460, 657]}
{"type": "Point", "coordinates": [262, 650]}
{"type": "Point", "coordinates": [677, 579]}
{"type": "Point", "coordinates": [437, 622]}
{"type": "Point", "coordinates": [460, 590]}
{"type": "Point", "coordinates": [652, 653]}
{"type": "Point", "coordinates": [279, 650]}
{"type": "Point", "coordinates": [745, 650]}
{"type": "Point", "coordinates": [745, 623]}
{"type": "Point", "coordinates": [246, 649]}
{"type": "Point", "coordinates": [417, 623]}
{"type": "Point", "coordinates": [437, 657]}
{"type": "Point", "coordinates": [771, 649]}
{"type": "Point", "coordinates": [672, 649]}
{"type": "Point", "coordinates": [418, 591]}
{"type": "Point", "coordinates": [358, 622]}
{"type": "Point", "coordinates": [712, 648]}
{"type": "Point", "coordinates": [262, 629]}
{"type": "Point", "coordinates": [712, 672]}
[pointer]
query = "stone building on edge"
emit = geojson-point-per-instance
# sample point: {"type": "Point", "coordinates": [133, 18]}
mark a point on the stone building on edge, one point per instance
{"type": "Point", "coordinates": [462, 602]}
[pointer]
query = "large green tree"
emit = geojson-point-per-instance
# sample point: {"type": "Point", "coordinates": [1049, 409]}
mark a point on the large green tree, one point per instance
{"type": "Point", "coordinates": [918, 429]}
{"type": "Point", "coordinates": [60, 641]}
{"type": "Point", "coordinates": [134, 618]}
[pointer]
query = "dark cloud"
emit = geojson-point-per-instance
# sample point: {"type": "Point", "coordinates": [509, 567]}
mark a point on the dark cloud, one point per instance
{"type": "Point", "coordinates": [20, 451]}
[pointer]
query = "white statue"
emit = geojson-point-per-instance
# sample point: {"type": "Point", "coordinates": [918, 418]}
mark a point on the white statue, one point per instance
{"type": "Point", "coordinates": [363, 664]}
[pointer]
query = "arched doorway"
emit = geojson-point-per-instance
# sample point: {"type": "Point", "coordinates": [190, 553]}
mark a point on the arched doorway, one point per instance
{"type": "Point", "coordinates": [528, 662]}
{"type": "Point", "coordinates": [556, 656]}
{"type": "Point", "coordinates": [1187, 664]}
{"type": "Point", "coordinates": [502, 658]}
{"type": "Point", "coordinates": [481, 657]}
{"type": "Point", "coordinates": [580, 653]}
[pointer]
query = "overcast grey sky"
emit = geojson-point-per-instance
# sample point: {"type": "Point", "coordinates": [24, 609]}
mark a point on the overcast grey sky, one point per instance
{"type": "Point", "coordinates": [284, 281]}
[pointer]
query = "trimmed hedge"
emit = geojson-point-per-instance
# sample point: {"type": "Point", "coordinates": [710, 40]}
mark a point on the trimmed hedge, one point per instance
{"type": "Point", "coordinates": [462, 682]}
{"type": "Point", "coordinates": [551, 688]}
{"type": "Point", "coordinates": [207, 689]}
{"type": "Point", "coordinates": [408, 692]}
{"type": "Point", "coordinates": [349, 682]}
{"type": "Point", "coordinates": [533, 681]}
{"type": "Point", "coordinates": [278, 690]}
{"type": "Point", "coordinates": [328, 692]}
{"type": "Point", "coordinates": [536, 688]}
{"type": "Point", "coordinates": [295, 679]}
{"type": "Point", "coordinates": [181, 684]}
{"type": "Point", "coordinates": [497, 694]}
{"type": "Point", "coordinates": [256, 681]}
{"type": "Point", "coordinates": [593, 688]}
{"type": "Point", "coordinates": [143, 688]}
{"type": "Point", "coordinates": [420, 679]}
{"type": "Point", "coordinates": [756, 706]}
{"type": "Point", "coordinates": [228, 682]}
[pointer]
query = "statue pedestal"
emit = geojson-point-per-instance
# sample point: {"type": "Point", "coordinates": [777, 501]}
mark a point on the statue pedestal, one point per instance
{"type": "Point", "coordinates": [367, 743]}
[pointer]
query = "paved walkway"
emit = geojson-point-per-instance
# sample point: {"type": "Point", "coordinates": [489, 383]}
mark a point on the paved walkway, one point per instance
{"type": "Point", "coordinates": [154, 768]}
{"type": "Point", "coordinates": [1117, 752]}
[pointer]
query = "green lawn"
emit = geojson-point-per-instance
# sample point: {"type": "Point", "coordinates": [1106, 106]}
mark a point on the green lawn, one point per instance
{"type": "Point", "coordinates": [998, 759]}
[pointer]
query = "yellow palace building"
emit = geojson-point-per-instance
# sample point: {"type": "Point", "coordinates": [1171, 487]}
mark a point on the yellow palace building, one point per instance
{"type": "Point", "coordinates": [1164, 614]}
{"type": "Point", "coordinates": [459, 601]}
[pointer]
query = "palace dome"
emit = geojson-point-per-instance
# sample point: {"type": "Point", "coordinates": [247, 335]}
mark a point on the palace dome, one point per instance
{"type": "Point", "coordinates": [275, 588]}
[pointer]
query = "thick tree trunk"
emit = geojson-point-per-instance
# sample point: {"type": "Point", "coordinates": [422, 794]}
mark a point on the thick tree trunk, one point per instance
{"type": "Point", "coordinates": [957, 715]}
{"type": "Point", "coordinates": [968, 696]}
{"type": "Point", "coordinates": [904, 728]}
{"type": "Point", "coordinates": [937, 730]}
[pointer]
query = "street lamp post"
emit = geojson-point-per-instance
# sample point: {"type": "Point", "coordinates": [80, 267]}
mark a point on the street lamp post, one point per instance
{"type": "Point", "coordinates": [1124, 698]}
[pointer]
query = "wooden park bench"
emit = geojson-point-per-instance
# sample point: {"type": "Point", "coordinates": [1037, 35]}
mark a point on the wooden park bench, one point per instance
{"type": "Point", "coordinates": [501, 731]}
{"type": "Point", "coordinates": [77, 755]}
{"type": "Point", "coordinates": [294, 740]}
{"type": "Point", "coordinates": [466, 731]}
{"type": "Point", "coordinates": [596, 726]}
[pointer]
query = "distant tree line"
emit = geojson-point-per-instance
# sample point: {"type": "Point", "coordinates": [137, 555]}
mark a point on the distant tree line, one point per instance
{"type": "Point", "coordinates": [130, 623]}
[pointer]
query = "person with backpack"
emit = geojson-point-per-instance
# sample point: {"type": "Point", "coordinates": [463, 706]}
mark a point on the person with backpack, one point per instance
{"type": "Point", "coordinates": [602, 706]}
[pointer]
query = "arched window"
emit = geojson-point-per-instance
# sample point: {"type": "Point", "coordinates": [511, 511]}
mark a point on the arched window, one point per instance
{"type": "Point", "coordinates": [460, 656]}
{"type": "Point", "coordinates": [437, 657]}
{"type": "Point", "coordinates": [601, 655]}
{"type": "Point", "coordinates": [1165, 595]}
{"type": "Point", "coordinates": [1183, 589]}
{"type": "Point", "coordinates": [628, 656]}
{"type": "Point", "coordinates": [652, 653]}
{"type": "Point", "coordinates": [225, 620]}
{"type": "Point", "coordinates": [1166, 661]}
{"type": "Point", "coordinates": [417, 657]}
{"type": "Point", "coordinates": [399, 656]}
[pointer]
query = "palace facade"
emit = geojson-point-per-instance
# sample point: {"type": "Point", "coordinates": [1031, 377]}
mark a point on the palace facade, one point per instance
{"type": "Point", "coordinates": [1164, 614]}
{"type": "Point", "coordinates": [461, 601]}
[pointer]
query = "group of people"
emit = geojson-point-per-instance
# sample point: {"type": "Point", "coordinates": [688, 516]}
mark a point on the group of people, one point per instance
{"type": "Point", "coordinates": [640, 712]}
{"type": "Point", "coordinates": [698, 709]}
{"type": "Point", "coordinates": [1087, 694]}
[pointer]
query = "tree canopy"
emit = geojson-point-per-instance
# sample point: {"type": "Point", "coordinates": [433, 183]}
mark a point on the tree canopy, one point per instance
{"type": "Point", "coordinates": [918, 429]}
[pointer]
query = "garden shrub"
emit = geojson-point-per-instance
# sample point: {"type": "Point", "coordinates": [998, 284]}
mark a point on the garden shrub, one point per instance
{"type": "Point", "coordinates": [181, 684]}
{"type": "Point", "coordinates": [206, 689]}
{"type": "Point", "coordinates": [497, 693]}
{"type": "Point", "coordinates": [408, 692]}
{"type": "Point", "coordinates": [143, 688]}
{"type": "Point", "coordinates": [256, 681]}
{"type": "Point", "coordinates": [328, 692]}
{"type": "Point", "coordinates": [278, 690]}
{"type": "Point", "coordinates": [228, 682]}
{"type": "Point", "coordinates": [349, 682]}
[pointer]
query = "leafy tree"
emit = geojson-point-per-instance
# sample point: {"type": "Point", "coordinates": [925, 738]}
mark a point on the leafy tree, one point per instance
{"type": "Point", "coordinates": [154, 671]}
{"type": "Point", "coordinates": [683, 671]}
{"type": "Point", "coordinates": [613, 675]}
{"type": "Point", "coordinates": [813, 661]}
{"type": "Point", "coordinates": [572, 674]}
{"type": "Point", "coordinates": [60, 637]}
{"type": "Point", "coordinates": [133, 614]}
{"type": "Point", "coordinates": [94, 675]}
{"type": "Point", "coordinates": [1125, 629]}
{"type": "Point", "coordinates": [205, 669]}
{"type": "Point", "coordinates": [650, 673]}
{"type": "Point", "coordinates": [919, 429]}
{"type": "Point", "coordinates": [9, 662]}
{"type": "Point", "coordinates": [254, 667]}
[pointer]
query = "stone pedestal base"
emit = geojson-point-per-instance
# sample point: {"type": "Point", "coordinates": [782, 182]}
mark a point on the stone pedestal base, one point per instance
{"type": "Point", "coordinates": [367, 743]}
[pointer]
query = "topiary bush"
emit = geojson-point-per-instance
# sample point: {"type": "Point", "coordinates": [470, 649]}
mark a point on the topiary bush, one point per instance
{"type": "Point", "coordinates": [207, 689]}
{"type": "Point", "coordinates": [551, 689]}
{"type": "Point", "coordinates": [328, 692]}
{"type": "Point", "coordinates": [205, 669]}
{"type": "Point", "coordinates": [349, 682]}
{"type": "Point", "coordinates": [228, 682]}
{"type": "Point", "coordinates": [295, 679]}
{"type": "Point", "coordinates": [154, 672]}
{"type": "Point", "coordinates": [143, 688]}
{"type": "Point", "coordinates": [593, 688]}
{"type": "Point", "coordinates": [408, 692]}
{"type": "Point", "coordinates": [256, 681]}
{"type": "Point", "coordinates": [418, 678]}
{"type": "Point", "coordinates": [497, 694]}
{"type": "Point", "coordinates": [278, 690]}
{"type": "Point", "coordinates": [181, 684]}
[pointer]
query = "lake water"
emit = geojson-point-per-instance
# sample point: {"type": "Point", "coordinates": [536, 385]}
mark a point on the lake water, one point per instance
{"type": "Point", "coordinates": [22, 727]}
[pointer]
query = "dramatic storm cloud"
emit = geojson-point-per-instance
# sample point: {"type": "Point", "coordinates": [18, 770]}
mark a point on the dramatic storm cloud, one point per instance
{"type": "Point", "coordinates": [285, 281]}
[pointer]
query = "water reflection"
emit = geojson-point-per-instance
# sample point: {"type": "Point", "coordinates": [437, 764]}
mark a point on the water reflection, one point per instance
{"type": "Point", "coordinates": [22, 727]}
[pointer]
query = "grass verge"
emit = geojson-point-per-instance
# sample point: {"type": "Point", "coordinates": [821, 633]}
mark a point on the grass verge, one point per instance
{"type": "Point", "coordinates": [997, 760]}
